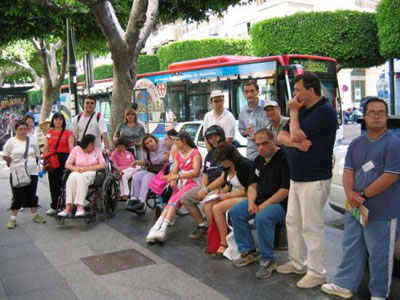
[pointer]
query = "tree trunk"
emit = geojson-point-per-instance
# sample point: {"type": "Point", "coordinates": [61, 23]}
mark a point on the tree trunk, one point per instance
{"type": "Point", "coordinates": [122, 94]}
{"type": "Point", "coordinates": [48, 100]}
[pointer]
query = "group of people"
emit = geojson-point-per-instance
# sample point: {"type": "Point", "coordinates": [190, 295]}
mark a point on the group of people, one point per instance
{"type": "Point", "coordinates": [285, 176]}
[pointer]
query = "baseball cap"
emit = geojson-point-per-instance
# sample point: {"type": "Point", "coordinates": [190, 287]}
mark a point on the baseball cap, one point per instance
{"type": "Point", "coordinates": [216, 93]}
{"type": "Point", "coordinates": [182, 135]}
{"type": "Point", "coordinates": [270, 103]}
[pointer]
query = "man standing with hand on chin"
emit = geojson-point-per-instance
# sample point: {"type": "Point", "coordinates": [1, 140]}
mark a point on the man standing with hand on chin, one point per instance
{"type": "Point", "coordinates": [309, 141]}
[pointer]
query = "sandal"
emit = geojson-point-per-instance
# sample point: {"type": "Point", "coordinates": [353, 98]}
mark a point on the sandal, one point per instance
{"type": "Point", "coordinates": [219, 255]}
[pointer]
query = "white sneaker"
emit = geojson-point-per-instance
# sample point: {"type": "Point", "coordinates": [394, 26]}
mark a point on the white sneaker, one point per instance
{"type": "Point", "coordinates": [334, 289]}
{"type": "Point", "coordinates": [64, 214]}
{"type": "Point", "coordinates": [80, 213]}
{"type": "Point", "coordinates": [51, 212]}
{"type": "Point", "coordinates": [160, 236]}
{"type": "Point", "coordinates": [377, 298]}
{"type": "Point", "coordinates": [309, 281]}
{"type": "Point", "coordinates": [151, 236]}
{"type": "Point", "coordinates": [288, 268]}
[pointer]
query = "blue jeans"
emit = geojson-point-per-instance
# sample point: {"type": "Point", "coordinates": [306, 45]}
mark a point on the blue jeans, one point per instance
{"type": "Point", "coordinates": [266, 219]}
{"type": "Point", "coordinates": [375, 243]}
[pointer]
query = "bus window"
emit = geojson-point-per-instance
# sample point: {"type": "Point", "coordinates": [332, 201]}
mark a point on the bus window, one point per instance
{"type": "Point", "coordinates": [198, 106]}
{"type": "Point", "coordinates": [175, 101]}
{"type": "Point", "coordinates": [267, 92]}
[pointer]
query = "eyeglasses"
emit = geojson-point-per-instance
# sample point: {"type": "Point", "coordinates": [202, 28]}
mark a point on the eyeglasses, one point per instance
{"type": "Point", "coordinates": [379, 114]}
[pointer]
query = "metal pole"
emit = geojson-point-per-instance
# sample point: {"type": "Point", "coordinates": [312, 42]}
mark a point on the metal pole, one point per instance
{"type": "Point", "coordinates": [73, 90]}
{"type": "Point", "coordinates": [391, 87]}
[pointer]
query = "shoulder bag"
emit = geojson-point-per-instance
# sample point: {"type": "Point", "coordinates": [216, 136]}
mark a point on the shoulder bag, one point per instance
{"type": "Point", "coordinates": [19, 171]}
{"type": "Point", "coordinates": [50, 159]}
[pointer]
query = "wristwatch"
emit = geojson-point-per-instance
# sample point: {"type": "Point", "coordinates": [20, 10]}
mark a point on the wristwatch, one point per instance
{"type": "Point", "coordinates": [362, 194]}
{"type": "Point", "coordinates": [206, 189]}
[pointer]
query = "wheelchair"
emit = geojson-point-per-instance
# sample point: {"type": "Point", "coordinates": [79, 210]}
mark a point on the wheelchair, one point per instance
{"type": "Point", "coordinates": [102, 197]}
{"type": "Point", "coordinates": [157, 203]}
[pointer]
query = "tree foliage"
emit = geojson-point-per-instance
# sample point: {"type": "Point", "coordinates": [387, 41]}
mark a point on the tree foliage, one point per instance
{"type": "Point", "coordinates": [348, 36]}
{"type": "Point", "coordinates": [388, 20]}
{"type": "Point", "coordinates": [192, 49]}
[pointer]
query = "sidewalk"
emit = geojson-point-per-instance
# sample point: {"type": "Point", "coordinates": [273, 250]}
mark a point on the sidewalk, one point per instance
{"type": "Point", "coordinates": [44, 261]}
{"type": "Point", "coordinates": [50, 261]}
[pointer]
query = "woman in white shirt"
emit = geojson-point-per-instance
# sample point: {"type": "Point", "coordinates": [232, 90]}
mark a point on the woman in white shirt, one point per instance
{"type": "Point", "coordinates": [13, 153]}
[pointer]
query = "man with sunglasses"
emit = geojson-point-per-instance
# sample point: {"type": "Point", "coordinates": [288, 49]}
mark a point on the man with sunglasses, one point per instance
{"type": "Point", "coordinates": [90, 122]}
{"type": "Point", "coordinates": [370, 178]}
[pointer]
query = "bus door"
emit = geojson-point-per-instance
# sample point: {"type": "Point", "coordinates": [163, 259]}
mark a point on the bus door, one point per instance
{"type": "Point", "coordinates": [142, 107]}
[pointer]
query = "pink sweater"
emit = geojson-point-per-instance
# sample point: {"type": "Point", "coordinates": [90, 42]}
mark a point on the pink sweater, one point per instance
{"type": "Point", "coordinates": [80, 159]}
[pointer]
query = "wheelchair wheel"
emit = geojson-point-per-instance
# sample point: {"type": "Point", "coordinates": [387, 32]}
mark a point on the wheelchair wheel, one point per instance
{"type": "Point", "coordinates": [91, 219]}
{"type": "Point", "coordinates": [151, 200]}
{"type": "Point", "coordinates": [110, 196]}
{"type": "Point", "coordinates": [60, 220]}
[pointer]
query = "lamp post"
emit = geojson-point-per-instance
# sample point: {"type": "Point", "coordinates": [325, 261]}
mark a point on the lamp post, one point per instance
{"type": "Point", "coordinates": [73, 90]}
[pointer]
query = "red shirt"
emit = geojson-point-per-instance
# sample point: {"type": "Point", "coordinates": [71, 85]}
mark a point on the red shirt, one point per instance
{"type": "Point", "coordinates": [52, 137]}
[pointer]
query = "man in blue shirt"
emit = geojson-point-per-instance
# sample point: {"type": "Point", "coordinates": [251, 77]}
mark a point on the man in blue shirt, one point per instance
{"type": "Point", "coordinates": [370, 178]}
{"type": "Point", "coordinates": [308, 141]}
{"type": "Point", "coordinates": [252, 112]}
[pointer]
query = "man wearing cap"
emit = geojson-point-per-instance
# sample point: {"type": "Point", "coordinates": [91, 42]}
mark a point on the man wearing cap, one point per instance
{"type": "Point", "coordinates": [273, 113]}
{"type": "Point", "coordinates": [210, 181]}
{"type": "Point", "coordinates": [251, 117]}
{"type": "Point", "coordinates": [220, 116]}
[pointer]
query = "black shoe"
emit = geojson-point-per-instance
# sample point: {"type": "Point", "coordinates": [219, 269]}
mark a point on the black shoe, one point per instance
{"type": "Point", "coordinates": [131, 205]}
{"type": "Point", "coordinates": [140, 208]}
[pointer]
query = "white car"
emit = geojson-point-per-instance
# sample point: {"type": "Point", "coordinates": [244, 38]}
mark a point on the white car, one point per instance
{"type": "Point", "coordinates": [195, 129]}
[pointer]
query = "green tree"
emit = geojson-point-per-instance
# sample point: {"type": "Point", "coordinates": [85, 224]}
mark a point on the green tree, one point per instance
{"type": "Point", "coordinates": [126, 44]}
{"type": "Point", "coordinates": [192, 49]}
{"type": "Point", "coordinates": [348, 36]}
{"type": "Point", "coordinates": [388, 19]}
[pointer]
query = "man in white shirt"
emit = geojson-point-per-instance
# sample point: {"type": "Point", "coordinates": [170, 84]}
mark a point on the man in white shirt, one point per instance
{"type": "Point", "coordinates": [90, 122]}
{"type": "Point", "coordinates": [220, 116]}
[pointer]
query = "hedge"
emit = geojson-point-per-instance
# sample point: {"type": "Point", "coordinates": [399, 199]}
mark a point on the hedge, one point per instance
{"type": "Point", "coordinates": [192, 49]}
{"type": "Point", "coordinates": [349, 36]}
{"type": "Point", "coordinates": [388, 20]}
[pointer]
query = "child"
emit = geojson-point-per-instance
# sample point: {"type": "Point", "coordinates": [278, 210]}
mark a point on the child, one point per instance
{"type": "Point", "coordinates": [124, 162]}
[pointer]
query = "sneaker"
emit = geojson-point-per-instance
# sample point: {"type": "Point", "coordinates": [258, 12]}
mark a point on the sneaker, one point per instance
{"type": "Point", "coordinates": [334, 289]}
{"type": "Point", "coordinates": [247, 259]}
{"type": "Point", "coordinates": [11, 224]}
{"type": "Point", "coordinates": [80, 213]}
{"type": "Point", "coordinates": [288, 268]}
{"type": "Point", "coordinates": [198, 233]}
{"type": "Point", "coordinates": [64, 214]}
{"type": "Point", "coordinates": [38, 219]}
{"type": "Point", "coordinates": [51, 212]}
{"type": "Point", "coordinates": [140, 208]}
{"type": "Point", "coordinates": [132, 204]}
{"type": "Point", "coordinates": [309, 281]}
{"type": "Point", "coordinates": [159, 236]}
{"type": "Point", "coordinates": [151, 236]}
{"type": "Point", "coordinates": [266, 270]}
{"type": "Point", "coordinates": [377, 298]}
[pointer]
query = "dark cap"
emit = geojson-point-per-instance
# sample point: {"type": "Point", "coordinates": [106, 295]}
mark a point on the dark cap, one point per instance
{"type": "Point", "coordinates": [182, 135]}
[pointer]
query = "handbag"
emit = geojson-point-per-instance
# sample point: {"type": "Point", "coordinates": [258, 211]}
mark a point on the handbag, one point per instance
{"type": "Point", "coordinates": [157, 185]}
{"type": "Point", "coordinates": [153, 168]}
{"type": "Point", "coordinates": [19, 172]}
{"type": "Point", "coordinates": [50, 159]}
{"type": "Point", "coordinates": [213, 239]}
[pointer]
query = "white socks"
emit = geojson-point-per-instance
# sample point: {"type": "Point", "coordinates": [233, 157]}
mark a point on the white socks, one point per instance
{"type": "Point", "coordinates": [164, 225]}
{"type": "Point", "coordinates": [204, 224]}
{"type": "Point", "coordinates": [14, 218]}
{"type": "Point", "coordinates": [158, 223]}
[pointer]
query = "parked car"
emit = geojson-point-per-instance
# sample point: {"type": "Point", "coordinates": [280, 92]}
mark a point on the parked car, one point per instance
{"type": "Point", "coordinates": [195, 129]}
